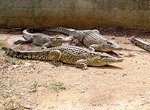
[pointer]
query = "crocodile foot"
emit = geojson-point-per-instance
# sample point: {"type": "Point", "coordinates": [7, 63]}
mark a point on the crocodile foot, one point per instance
{"type": "Point", "coordinates": [58, 64]}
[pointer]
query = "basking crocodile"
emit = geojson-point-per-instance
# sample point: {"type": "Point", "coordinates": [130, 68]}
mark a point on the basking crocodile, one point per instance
{"type": "Point", "coordinates": [78, 34]}
{"type": "Point", "coordinates": [66, 54]}
{"type": "Point", "coordinates": [140, 43]}
{"type": "Point", "coordinates": [42, 39]}
{"type": "Point", "coordinates": [90, 38]}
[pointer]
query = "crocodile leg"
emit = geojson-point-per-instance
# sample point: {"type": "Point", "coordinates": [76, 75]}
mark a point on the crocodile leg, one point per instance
{"type": "Point", "coordinates": [55, 57]}
{"type": "Point", "coordinates": [46, 45]}
{"type": "Point", "coordinates": [23, 41]}
{"type": "Point", "coordinates": [81, 64]}
{"type": "Point", "coordinates": [94, 47]}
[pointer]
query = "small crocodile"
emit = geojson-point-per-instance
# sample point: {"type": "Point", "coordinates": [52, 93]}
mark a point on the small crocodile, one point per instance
{"type": "Point", "coordinates": [66, 54]}
{"type": "Point", "coordinates": [90, 38]}
{"type": "Point", "coordinates": [42, 39]}
{"type": "Point", "coordinates": [140, 43]}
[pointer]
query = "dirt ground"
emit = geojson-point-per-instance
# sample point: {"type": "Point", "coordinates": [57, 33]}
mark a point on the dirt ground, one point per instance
{"type": "Point", "coordinates": [39, 85]}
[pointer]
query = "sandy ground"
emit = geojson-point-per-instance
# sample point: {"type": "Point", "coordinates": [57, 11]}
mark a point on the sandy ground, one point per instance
{"type": "Point", "coordinates": [39, 85]}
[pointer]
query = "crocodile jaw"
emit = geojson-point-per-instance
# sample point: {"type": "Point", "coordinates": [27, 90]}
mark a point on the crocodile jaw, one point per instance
{"type": "Point", "coordinates": [115, 46]}
{"type": "Point", "coordinates": [104, 59]}
{"type": "Point", "coordinates": [109, 46]}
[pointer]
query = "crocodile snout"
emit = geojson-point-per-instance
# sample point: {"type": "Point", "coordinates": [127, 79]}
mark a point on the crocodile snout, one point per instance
{"type": "Point", "coordinates": [118, 48]}
{"type": "Point", "coordinates": [119, 59]}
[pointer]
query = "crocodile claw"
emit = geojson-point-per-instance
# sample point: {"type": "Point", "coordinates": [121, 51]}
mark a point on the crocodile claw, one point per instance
{"type": "Point", "coordinates": [85, 68]}
{"type": "Point", "coordinates": [58, 64]}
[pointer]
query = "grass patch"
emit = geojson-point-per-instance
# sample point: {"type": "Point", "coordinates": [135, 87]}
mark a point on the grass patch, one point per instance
{"type": "Point", "coordinates": [20, 93]}
{"type": "Point", "coordinates": [12, 105]}
{"type": "Point", "coordinates": [34, 86]}
{"type": "Point", "coordinates": [56, 86]}
{"type": "Point", "coordinates": [2, 85]}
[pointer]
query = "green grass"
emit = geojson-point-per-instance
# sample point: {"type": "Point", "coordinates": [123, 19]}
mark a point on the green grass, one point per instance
{"type": "Point", "coordinates": [57, 86]}
{"type": "Point", "coordinates": [12, 105]}
{"type": "Point", "coordinates": [2, 85]}
{"type": "Point", "coordinates": [34, 86]}
{"type": "Point", "coordinates": [20, 93]}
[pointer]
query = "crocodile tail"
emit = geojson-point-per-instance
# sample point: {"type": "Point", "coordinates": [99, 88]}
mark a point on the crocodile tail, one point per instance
{"type": "Point", "coordinates": [58, 29]}
{"type": "Point", "coordinates": [27, 35]}
{"type": "Point", "coordinates": [8, 51]}
{"type": "Point", "coordinates": [62, 30]}
{"type": "Point", "coordinates": [15, 53]}
{"type": "Point", "coordinates": [5, 49]}
{"type": "Point", "coordinates": [23, 54]}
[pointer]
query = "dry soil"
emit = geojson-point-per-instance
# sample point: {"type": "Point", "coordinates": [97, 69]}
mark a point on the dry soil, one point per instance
{"type": "Point", "coordinates": [39, 85]}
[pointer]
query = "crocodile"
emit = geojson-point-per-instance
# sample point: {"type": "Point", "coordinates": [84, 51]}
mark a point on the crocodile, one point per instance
{"type": "Point", "coordinates": [43, 40]}
{"type": "Point", "coordinates": [140, 43]}
{"type": "Point", "coordinates": [78, 34]}
{"type": "Point", "coordinates": [78, 56]}
{"type": "Point", "coordinates": [90, 38]}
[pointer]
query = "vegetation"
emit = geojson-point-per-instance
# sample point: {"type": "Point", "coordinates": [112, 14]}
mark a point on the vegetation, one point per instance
{"type": "Point", "coordinates": [12, 105]}
{"type": "Point", "coordinates": [34, 86]}
{"type": "Point", "coordinates": [57, 86]}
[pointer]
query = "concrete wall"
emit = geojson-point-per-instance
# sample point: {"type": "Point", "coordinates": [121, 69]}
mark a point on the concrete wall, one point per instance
{"type": "Point", "coordinates": [75, 13]}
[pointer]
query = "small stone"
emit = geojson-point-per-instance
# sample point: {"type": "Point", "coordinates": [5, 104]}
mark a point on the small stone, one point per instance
{"type": "Point", "coordinates": [27, 64]}
{"type": "Point", "coordinates": [38, 108]}
{"type": "Point", "coordinates": [105, 72]}
{"type": "Point", "coordinates": [145, 63]}
{"type": "Point", "coordinates": [124, 74]}
{"type": "Point", "coordinates": [15, 66]}
{"type": "Point", "coordinates": [113, 37]}
{"type": "Point", "coordinates": [135, 61]}
{"type": "Point", "coordinates": [83, 91]}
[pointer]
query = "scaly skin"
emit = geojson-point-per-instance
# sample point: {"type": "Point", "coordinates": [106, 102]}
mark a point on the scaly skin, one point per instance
{"type": "Point", "coordinates": [66, 54]}
{"type": "Point", "coordinates": [90, 38]}
{"type": "Point", "coordinates": [97, 42]}
{"type": "Point", "coordinates": [78, 34]}
{"type": "Point", "coordinates": [42, 40]}
{"type": "Point", "coordinates": [140, 43]}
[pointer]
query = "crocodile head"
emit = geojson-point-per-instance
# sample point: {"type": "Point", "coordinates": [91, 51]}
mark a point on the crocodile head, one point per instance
{"type": "Point", "coordinates": [110, 45]}
{"type": "Point", "coordinates": [104, 59]}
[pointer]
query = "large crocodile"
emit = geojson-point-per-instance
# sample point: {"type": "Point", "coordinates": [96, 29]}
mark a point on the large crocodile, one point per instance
{"type": "Point", "coordinates": [42, 39]}
{"type": "Point", "coordinates": [140, 43]}
{"type": "Point", "coordinates": [91, 38]}
{"type": "Point", "coordinates": [66, 54]}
